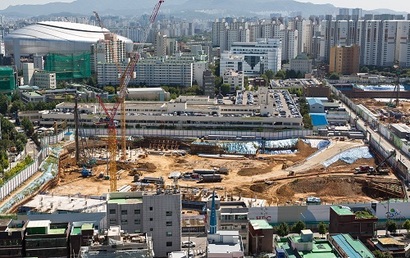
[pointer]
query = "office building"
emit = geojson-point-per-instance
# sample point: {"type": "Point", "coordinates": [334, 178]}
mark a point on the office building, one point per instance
{"type": "Point", "coordinates": [301, 63]}
{"type": "Point", "coordinates": [45, 80]}
{"type": "Point", "coordinates": [157, 214]}
{"type": "Point", "coordinates": [344, 59]}
{"type": "Point", "coordinates": [234, 79]}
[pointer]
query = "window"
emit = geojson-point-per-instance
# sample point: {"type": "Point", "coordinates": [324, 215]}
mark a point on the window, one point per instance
{"type": "Point", "coordinates": [169, 243]}
{"type": "Point", "coordinates": [137, 221]}
{"type": "Point", "coordinates": [168, 213]}
{"type": "Point", "coordinates": [112, 211]}
{"type": "Point", "coordinates": [169, 223]}
{"type": "Point", "coordinates": [151, 229]}
{"type": "Point", "coordinates": [124, 222]}
{"type": "Point", "coordinates": [123, 212]}
{"type": "Point", "coordinates": [137, 211]}
{"type": "Point", "coordinates": [150, 208]}
{"type": "Point", "coordinates": [169, 233]}
{"type": "Point", "coordinates": [113, 221]}
{"type": "Point", "coordinates": [151, 219]}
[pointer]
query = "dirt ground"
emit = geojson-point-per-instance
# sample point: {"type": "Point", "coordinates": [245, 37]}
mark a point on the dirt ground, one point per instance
{"type": "Point", "coordinates": [375, 105]}
{"type": "Point", "coordinates": [278, 179]}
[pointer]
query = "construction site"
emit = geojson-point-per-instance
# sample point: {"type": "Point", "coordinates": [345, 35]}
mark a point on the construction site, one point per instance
{"type": "Point", "coordinates": [287, 178]}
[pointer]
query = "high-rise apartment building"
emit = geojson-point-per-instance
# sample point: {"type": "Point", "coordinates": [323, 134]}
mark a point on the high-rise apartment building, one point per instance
{"type": "Point", "coordinates": [344, 59]}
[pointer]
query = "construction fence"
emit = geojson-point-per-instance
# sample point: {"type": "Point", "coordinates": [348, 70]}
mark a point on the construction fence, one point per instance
{"type": "Point", "coordinates": [70, 66]}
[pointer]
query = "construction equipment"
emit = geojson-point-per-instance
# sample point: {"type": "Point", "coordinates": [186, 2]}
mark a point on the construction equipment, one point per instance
{"type": "Point", "coordinates": [381, 169]}
{"type": "Point", "coordinates": [111, 113]}
{"type": "Point", "coordinates": [364, 169]}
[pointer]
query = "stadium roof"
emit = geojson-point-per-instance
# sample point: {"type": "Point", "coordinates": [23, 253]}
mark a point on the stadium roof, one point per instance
{"type": "Point", "coordinates": [61, 31]}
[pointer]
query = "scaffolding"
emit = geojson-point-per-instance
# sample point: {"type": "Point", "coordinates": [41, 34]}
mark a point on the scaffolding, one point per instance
{"type": "Point", "coordinates": [69, 66]}
{"type": "Point", "coordinates": [7, 80]}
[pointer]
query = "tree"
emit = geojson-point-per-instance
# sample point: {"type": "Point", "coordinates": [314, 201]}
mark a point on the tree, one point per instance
{"type": "Point", "coordinates": [109, 89]}
{"type": "Point", "coordinates": [27, 126]}
{"type": "Point", "coordinates": [298, 227]}
{"type": "Point", "coordinates": [364, 69]}
{"type": "Point", "coordinates": [269, 74]}
{"type": "Point", "coordinates": [334, 76]}
{"type": "Point", "coordinates": [391, 226]}
{"type": "Point", "coordinates": [4, 104]}
{"type": "Point", "coordinates": [322, 228]}
{"type": "Point", "coordinates": [380, 254]}
{"type": "Point", "coordinates": [225, 89]}
{"type": "Point", "coordinates": [280, 75]}
{"type": "Point", "coordinates": [406, 225]}
{"type": "Point", "coordinates": [283, 229]}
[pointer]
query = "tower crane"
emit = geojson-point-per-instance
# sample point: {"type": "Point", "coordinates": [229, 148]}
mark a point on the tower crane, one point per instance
{"type": "Point", "coordinates": [125, 78]}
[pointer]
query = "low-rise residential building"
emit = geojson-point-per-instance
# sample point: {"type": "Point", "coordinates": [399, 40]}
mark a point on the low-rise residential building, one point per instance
{"type": "Point", "coordinates": [45, 80]}
{"type": "Point", "coordinates": [235, 79]}
{"type": "Point", "coordinates": [260, 237]}
{"type": "Point", "coordinates": [157, 213]}
{"type": "Point", "coordinates": [301, 63]}
{"type": "Point", "coordinates": [225, 244]}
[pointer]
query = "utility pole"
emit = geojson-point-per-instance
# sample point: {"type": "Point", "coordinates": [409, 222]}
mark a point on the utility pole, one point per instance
{"type": "Point", "coordinates": [77, 145]}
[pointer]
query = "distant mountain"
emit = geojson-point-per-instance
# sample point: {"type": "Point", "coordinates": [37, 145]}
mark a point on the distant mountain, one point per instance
{"type": "Point", "coordinates": [180, 8]}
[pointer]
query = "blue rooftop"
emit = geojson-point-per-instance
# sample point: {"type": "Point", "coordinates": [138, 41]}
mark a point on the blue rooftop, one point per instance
{"type": "Point", "coordinates": [312, 101]}
{"type": "Point", "coordinates": [318, 119]}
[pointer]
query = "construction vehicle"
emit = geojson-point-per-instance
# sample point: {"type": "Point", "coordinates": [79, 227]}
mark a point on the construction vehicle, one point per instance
{"type": "Point", "coordinates": [86, 172]}
{"type": "Point", "coordinates": [364, 169]}
{"type": "Point", "coordinates": [125, 78]}
{"type": "Point", "coordinates": [381, 169]}
{"type": "Point", "coordinates": [153, 180]}
{"type": "Point", "coordinates": [210, 178]}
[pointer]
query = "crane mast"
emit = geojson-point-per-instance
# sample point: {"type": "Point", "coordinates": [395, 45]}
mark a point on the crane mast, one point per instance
{"type": "Point", "coordinates": [111, 113]}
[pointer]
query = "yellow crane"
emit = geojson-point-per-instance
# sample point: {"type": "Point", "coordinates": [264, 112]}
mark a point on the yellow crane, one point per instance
{"type": "Point", "coordinates": [125, 78]}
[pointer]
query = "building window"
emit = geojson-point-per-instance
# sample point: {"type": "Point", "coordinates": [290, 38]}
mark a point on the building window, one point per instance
{"type": "Point", "coordinates": [124, 222]}
{"type": "Point", "coordinates": [151, 219]}
{"type": "Point", "coordinates": [137, 221]}
{"type": "Point", "coordinates": [124, 212]}
{"type": "Point", "coordinates": [113, 221]}
{"type": "Point", "coordinates": [169, 223]}
{"type": "Point", "coordinates": [137, 211]}
{"type": "Point", "coordinates": [169, 233]}
{"type": "Point", "coordinates": [168, 213]}
{"type": "Point", "coordinates": [112, 211]}
{"type": "Point", "coordinates": [150, 208]}
{"type": "Point", "coordinates": [169, 243]}
{"type": "Point", "coordinates": [151, 229]}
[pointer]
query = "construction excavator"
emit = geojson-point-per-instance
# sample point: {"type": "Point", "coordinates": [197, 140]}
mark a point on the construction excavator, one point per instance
{"type": "Point", "coordinates": [381, 168]}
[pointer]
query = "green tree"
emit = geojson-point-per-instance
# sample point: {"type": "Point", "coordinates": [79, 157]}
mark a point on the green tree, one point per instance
{"type": "Point", "coordinates": [406, 225]}
{"type": "Point", "coordinates": [280, 75]}
{"type": "Point", "coordinates": [391, 226]}
{"type": "Point", "coordinates": [298, 227]}
{"type": "Point", "coordinates": [4, 104]}
{"type": "Point", "coordinates": [380, 254]}
{"type": "Point", "coordinates": [109, 89]}
{"type": "Point", "coordinates": [364, 69]}
{"type": "Point", "coordinates": [322, 228]}
{"type": "Point", "coordinates": [225, 89]}
{"type": "Point", "coordinates": [27, 126]}
{"type": "Point", "coordinates": [269, 74]}
{"type": "Point", "coordinates": [16, 106]}
{"type": "Point", "coordinates": [334, 76]}
{"type": "Point", "coordinates": [283, 229]}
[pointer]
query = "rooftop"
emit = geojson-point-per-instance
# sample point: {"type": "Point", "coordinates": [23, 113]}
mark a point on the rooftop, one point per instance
{"type": "Point", "coordinates": [260, 224]}
{"type": "Point", "coordinates": [342, 210]}
{"type": "Point", "coordinates": [352, 248]}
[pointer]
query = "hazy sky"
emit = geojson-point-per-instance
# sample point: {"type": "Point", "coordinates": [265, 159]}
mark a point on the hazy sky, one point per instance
{"type": "Point", "coordinates": [397, 5]}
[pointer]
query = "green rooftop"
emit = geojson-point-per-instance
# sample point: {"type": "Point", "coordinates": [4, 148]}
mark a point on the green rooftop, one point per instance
{"type": "Point", "coordinates": [342, 210]}
{"type": "Point", "coordinates": [260, 224]}
{"type": "Point", "coordinates": [87, 226]}
{"type": "Point", "coordinates": [125, 200]}
{"type": "Point", "coordinates": [76, 231]}
{"type": "Point", "coordinates": [56, 231]}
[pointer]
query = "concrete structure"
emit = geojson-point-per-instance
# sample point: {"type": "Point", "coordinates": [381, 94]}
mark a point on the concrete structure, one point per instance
{"type": "Point", "coordinates": [235, 79]}
{"type": "Point", "coordinates": [148, 94]}
{"type": "Point", "coordinates": [32, 97]}
{"type": "Point", "coordinates": [119, 244]}
{"type": "Point", "coordinates": [172, 71]}
{"type": "Point", "coordinates": [390, 244]}
{"type": "Point", "coordinates": [54, 37]}
{"type": "Point", "coordinates": [45, 80]}
{"type": "Point", "coordinates": [344, 59]}
{"type": "Point", "coordinates": [260, 237]}
{"type": "Point", "coordinates": [225, 244]}
{"type": "Point", "coordinates": [158, 214]}
{"type": "Point", "coordinates": [11, 238]}
{"type": "Point", "coordinates": [28, 72]}
{"type": "Point", "coordinates": [315, 105]}
{"type": "Point", "coordinates": [43, 237]}
{"type": "Point", "coordinates": [344, 220]}
{"type": "Point", "coordinates": [208, 86]}
{"type": "Point", "coordinates": [301, 63]}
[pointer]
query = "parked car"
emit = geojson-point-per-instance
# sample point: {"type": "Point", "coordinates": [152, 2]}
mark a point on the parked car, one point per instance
{"type": "Point", "coordinates": [186, 244]}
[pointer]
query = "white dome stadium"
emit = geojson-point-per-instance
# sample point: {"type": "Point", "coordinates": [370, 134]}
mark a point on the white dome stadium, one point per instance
{"type": "Point", "coordinates": [55, 37]}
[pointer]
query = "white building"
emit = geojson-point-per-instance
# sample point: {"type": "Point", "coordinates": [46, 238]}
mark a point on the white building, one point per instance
{"type": "Point", "coordinates": [301, 63]}
{"type": "Point", "coordinates": [259, 56]}
{"type": "Point", "coordinates": [225, 244]}
{"type": "Point", "coordinates": [109, 74]}
{"type": "Point", "coordinates": [235, 79]}
{"type": "Point", "coordinates": [157, 71]}
{"type": "Point", "coordinates": [28, 72]}
{"type": "Point", "coordinates": [148, 94]}
{"type": "Point", "coordinates": [45, 80]}
{"type": "Point", "coordinates": [157, 214]}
